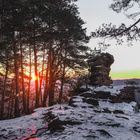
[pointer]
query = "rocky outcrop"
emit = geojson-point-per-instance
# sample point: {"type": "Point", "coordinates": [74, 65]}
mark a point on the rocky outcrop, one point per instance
{"type": "Point", "coordinates": [100, 68]}
{"type": "Point", "coordinates": [95, 113]}
{"type": "Point", "coordinates": [137, 96]}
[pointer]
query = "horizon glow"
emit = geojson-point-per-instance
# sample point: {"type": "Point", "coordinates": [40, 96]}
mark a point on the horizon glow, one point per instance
{"type": "Point", "coordinates": [134, 74]}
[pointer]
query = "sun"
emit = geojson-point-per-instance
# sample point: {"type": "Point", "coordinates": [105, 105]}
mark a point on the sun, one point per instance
{"type": "Point", "coordinates": [34, 77]}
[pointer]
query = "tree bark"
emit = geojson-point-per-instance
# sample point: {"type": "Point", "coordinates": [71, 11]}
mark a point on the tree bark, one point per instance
{"type": "Point", "coordinates": [51, 79]}
{"type": "Point", "coordinates": [45, 95]}
{"type": "Point", "coordinates": [4, 90]}
{"type": "Point", "coordinates": [41, 77]}
{"type": "Point", "coordinates": [22, 77]}
{"type": "Point", "coordinates": [17, 113]}
{"type": "Point", "coordinates": [35, 67]}
{"type": "Point", "coordinates": [62, 84]}
{"type": "Point", "coordinates": [63, 77]}
{"type": "Point", "coordinates": [29, 83]}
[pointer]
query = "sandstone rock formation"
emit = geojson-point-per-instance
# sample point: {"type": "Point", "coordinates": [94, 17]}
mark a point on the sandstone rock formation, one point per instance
{"type": "Point", "coordinates": [100, 68]}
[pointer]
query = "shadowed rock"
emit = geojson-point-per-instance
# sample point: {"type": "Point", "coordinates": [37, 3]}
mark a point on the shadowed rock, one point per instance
{"type": "Point", "coordinates": [104, 133]}
{"type": "Point", "coordinates": [137, 97]}
{"type": "Point", "coordinates": [100, 68]}
{"type": "Point", "coordinates": [91, 101]}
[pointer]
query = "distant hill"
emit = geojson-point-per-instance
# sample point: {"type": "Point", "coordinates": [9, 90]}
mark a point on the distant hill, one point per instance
{"type": "Point", "coordinates": [126, 81]}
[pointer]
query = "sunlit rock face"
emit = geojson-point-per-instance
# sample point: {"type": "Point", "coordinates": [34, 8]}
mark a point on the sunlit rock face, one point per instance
{"type": "Point", "coordinates": [100, 69]}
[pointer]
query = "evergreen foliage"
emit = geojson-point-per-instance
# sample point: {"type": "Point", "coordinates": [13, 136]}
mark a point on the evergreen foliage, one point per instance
{"type": "Point", "coordinates": [43, 37]}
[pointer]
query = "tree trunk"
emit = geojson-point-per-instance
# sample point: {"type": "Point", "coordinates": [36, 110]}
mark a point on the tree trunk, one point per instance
{"type": "Point", "coordinates": [51, 93]}
{"type": "Point", "coordinates": [22, 77]}
{"type": "Point", "coordinates": [63, 77]}
{"type": "Point", "coordinates": [35, 67]}
{"type": "Point", "coordinates": [41, 77]}
{"type": "Point", "coordinates": [17, 113]}
{"type": "Point", "coordinates": [29, 83]}
{"type": "Point", "coordinates": [4, 91]}
{"type": "Point", "coordinates": [45, 95]}
{"type": "Point", "coordinates": [1, 39]}
{"type": "Point", "coordinates": [11, 102]}
{"type": "Point", "coordinates": [1, 19]}
{"type": "Point", "coordinates": [36, 80]}
{"type": "Point", "coordinates": [51, 80]}
{"type": "Point", "coordinates": [62, 84]}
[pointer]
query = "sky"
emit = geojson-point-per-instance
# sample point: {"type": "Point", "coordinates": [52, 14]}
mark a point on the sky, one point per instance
{"type": "Point", "coordinates": [96, 12]}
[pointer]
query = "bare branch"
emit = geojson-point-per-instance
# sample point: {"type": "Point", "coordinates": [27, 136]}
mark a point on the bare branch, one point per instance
{"type": "Point", "coordinates": [127, 29]}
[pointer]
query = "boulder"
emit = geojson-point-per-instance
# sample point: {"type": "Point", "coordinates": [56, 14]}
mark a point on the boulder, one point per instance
{"type": "Point", "coordinates": [87, 95]}
{"type": "Point", "coordinates": [91, 101]}
{"type": "Point", "coordinates": [127, 94]}
{"type": "Point", "coordinates": [100, 68]}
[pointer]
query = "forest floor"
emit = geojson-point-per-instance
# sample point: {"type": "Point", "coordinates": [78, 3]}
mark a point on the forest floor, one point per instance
{"type": "Point", "coordinates": [102, 113]}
